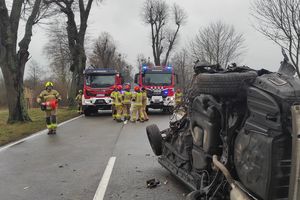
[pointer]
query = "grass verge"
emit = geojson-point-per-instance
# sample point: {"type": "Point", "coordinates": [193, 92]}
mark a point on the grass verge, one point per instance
{"type": "Point", "coordinates": [13, 132]}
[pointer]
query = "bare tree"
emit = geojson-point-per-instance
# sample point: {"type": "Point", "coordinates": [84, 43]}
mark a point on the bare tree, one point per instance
{"type": "Point", "coordinates": [157, 14]}
{"type": "Point", "coordinates": [279, 20]}
{"type": "Point", "coordinates": [104, 53]}
{"type": "Point", "coordinates": [217, 43]}
{"type": "Point", "coordinates": [35, 74]}
{"type": "Point", "coordinates": [57, 51]}
{"type": "Point", "coordinates": [183, 67]}
{"type": "Point", "coordinates": [13, 59]}
{"type": "Point", "coordinates": [76, 38]}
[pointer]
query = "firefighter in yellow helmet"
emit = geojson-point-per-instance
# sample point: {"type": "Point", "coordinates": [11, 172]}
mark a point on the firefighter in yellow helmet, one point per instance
{"type": "Point", "coordinates": [126, 101]}
{"type": "Point", "coordinates": [178, 97]}
{"type": "Point", "coordinates": [137, 107]}
{"type": "Point", "coordinates": [118, 103]}
{"type": "Point", "coordinates": [48, 99]}
{"type": "Point", "coordinates": [144, 104]}
{"type": "Point", "coordinates": [78, 99]}
{"type": "Point", "coordinates": [113, 106]}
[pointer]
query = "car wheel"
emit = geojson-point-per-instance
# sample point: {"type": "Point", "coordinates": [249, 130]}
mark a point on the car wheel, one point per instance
{"type": "Point", "coordinates": [223, 84]}
{"type": "Point", "coordinates": [155, 139]}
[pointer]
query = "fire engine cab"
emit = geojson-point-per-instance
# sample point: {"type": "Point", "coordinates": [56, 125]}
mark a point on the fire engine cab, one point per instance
{"type": "Point", "coordinates": [159, 83]}
{"type": "Point", "coordinates": [98, 85]}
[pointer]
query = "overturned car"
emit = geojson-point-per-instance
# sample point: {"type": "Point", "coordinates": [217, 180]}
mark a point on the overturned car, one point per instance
{"type": "Point", "coordinates": [235, 138]}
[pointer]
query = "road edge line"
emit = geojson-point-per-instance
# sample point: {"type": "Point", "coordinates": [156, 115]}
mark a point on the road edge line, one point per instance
{"type": "Point", "coordinates": [100, 192]}
{"type": "Point", "coordinates": [35, 134]}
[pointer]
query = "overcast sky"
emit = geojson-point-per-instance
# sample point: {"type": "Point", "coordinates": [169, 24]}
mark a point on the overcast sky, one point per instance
{"type": "Point", "coordinates": [121, 18]}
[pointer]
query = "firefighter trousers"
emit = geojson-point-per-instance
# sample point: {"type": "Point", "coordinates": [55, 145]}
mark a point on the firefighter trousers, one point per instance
{"type": "Point", "coordinates": [118, 112]}
{"type": "Point", "coordinates": [137, 110]}
{"type": "Point", "coordinates": [51, 119]}
{"type": "Point", "coordinates": [114, 111]}
{"type": "Point", "coordinates": [145, 112]}
{"type": "Point", "coordinates": [126, 111]}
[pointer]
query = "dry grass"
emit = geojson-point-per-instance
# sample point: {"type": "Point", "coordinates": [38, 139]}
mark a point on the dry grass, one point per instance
{"type": "Point", "coordinates": [13, 132]}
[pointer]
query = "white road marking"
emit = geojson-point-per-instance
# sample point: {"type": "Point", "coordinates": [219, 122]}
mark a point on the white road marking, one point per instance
{"type": "Point", "coordinates": [99, 195]}
{"type": "Point", "coordinates": [36, 134]}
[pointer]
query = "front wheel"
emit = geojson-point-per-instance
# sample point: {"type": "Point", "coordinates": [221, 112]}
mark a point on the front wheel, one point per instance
{"type": "Point", "coordinates": [155, 139]}
{"type": "Point", "coordinates": [87, 112]}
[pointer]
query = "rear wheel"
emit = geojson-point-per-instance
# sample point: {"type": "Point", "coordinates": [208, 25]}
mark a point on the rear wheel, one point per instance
{"type": "Point", "coordinates": [155, 139]}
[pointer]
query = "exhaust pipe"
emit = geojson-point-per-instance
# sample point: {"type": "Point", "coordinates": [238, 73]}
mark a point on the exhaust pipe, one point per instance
{"type": "Point", "coordinates": [236, 192]}
{"type": "Point", "coordinates": [294, 189]}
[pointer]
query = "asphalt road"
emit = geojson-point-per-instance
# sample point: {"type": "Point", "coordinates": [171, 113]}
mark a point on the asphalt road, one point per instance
{"type": "Point", "coordinates": [70, 165]}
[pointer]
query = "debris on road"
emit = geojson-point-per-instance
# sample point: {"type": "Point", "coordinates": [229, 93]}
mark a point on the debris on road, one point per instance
{"type": "Point", "coordinates": [25, 188]}
{"type": "Point", "coordinates": [165, 182]}
{"type": "Point", "coordinates": [152, 183]}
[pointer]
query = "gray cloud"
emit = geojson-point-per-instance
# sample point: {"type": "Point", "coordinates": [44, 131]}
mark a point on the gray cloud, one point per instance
{"type": "Point", "coordinates": [121, 18]}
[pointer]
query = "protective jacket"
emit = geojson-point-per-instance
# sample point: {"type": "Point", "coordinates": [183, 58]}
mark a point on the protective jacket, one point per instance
{"type": "Point", "coordinates": [118, 98]}
{"type": "Point", "coordinates": [138, 99]}
{"type": "Point", "coordinates": [79, 98]}
{"type": "Point", "coordinates": [46, 96]}
{"type": "Point", "coordinates": [113, 97]}
{"type": "Point", "coordinates": [144, 101]}
{"type": "Point", "coordinates": [178, 97]}
{"type": "Point", "coordinates": [127, 96]}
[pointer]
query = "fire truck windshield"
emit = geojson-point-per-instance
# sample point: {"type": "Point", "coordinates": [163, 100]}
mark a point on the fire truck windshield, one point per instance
{"type": "Point", "coordinates": [100, 80]}
{"type": "Point", "coordinates": [157, 79]}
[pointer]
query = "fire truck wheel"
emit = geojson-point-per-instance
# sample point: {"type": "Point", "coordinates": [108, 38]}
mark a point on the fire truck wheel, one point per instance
{"type": "Point", "coordinates": [87, 112]}
{"type": "Point", "coordinates": [155, 139]}
{"type": "Point", "coordinates": [222, 84]}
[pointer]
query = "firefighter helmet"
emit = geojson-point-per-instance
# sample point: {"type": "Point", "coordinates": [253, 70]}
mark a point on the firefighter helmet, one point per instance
{"type": "Point", "coordinates": [137, 88]}
{"type": "Point", "coordinates": [49, 84]}
{"type": "Point", "coordinates": [119, 87]}
{"type": "Point", "coordinates": [127, 87]}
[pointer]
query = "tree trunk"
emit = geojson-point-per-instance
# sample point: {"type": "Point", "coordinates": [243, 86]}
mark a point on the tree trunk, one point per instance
{"type": "Point", "coordinates": [15, 87]}
{"type": "Point", "coordinates": [79, 62]}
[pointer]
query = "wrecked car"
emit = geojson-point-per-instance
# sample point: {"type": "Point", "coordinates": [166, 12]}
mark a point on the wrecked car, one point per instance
{"type": "Point", "coordinates": [234, 140]}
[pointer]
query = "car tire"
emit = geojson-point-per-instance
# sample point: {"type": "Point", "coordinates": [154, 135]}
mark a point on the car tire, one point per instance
{"type": "Point", "coordinates": [155, 139]}
{"type": "Point", "coordinates": [222, 84]}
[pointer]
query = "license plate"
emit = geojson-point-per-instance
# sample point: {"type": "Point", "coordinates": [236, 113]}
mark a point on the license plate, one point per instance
{"type": "Point", "coordinates": [100, 95]}
{"type": "Point", "coordinates": [156, 100]}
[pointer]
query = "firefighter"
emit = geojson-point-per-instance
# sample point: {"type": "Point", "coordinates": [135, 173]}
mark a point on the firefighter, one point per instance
{"type": "Point", "coordinates": [79, 101]}
{"type": "Point", "coordinates": [113, 106]}
{"type": "Point", "coordinates": [137, 107]}
{"type": "Point", "coordinates": [126, 101]}
{"type": "Point", "coordinates": [48, 99]}
{"type": "Point", "coordinates": [144, 104]}
{"type": "Point", "coordinates": [118, 103]}
{"type": "Point", "coordinates": [178, 97]}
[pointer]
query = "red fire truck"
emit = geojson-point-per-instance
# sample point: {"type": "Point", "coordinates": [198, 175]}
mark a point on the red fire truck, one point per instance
{"type": "Point", "coordinates": [98, 85]}
{"type": "Point", "coordinates": [159, 83]}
